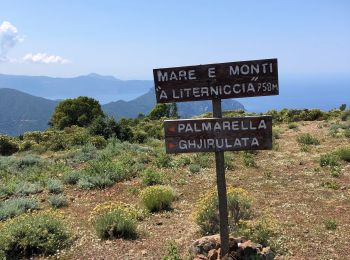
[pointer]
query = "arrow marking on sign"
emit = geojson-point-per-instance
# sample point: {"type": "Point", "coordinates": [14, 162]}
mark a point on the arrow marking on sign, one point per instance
{"type": "Point", "coordinates": [171, 145]}
{"type": "Point", "coordinates": [172, 129]}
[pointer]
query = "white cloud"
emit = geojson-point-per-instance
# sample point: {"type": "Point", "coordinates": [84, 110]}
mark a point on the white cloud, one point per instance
{"type": "Point", "coordinates": [9, 37]}
{"type": "Point", "coordinates": [45, 58]}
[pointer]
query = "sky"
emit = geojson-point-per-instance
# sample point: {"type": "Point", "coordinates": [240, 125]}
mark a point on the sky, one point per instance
{"type": "Point", "coordinates": [127, 39]}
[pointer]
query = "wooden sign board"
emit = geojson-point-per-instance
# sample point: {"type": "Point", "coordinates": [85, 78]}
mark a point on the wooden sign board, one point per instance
{"type": "Point", "coordinates": [218, 134]}
{"type": "Point", "coordinates": [221, 80]}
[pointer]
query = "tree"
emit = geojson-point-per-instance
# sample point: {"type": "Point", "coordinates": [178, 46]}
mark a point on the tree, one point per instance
{"type": "Point", "coordinates": [163, 110]}
{"type": "Point", "coordinates": [81, 111]}
{"type": "Point", "coordinates": [105, 126]}
{"type": "Point", "coordinates": [342, 107]}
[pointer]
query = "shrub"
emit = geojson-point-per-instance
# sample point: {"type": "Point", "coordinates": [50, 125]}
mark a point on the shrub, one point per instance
{"type": "Point", "coordinates": [183, 161]}
{"type": "Point", "coordinates": [115, 224]}
{"type": "Point", "coordinates": [157, 198]}
{"type": "Point", "coordinates": [307, 139]}
{"type": "Point", "coordinates": [41, 233]}
{"type": "Point", "coordinates": [14, 207]}
{"type": "Point", "coordinates": [140, 136]}
{"type": "Point", "coordinates": [330, 185]}
{"type": "Point", "coordinates": [115, 220]}
{"type": "Point", "coordinates": [150, 177]}
{"type": "Point", "coordinates": [28, 161]}
{"type": "Point", "coordinates": [202, 159]}
{"type": "Point", "coordinates": [27, 188]}
{"type": "Point", "coordinates": [347, 133]}
{"type": "Point", "coordinates": [206, 214]}
{"type": "Point", "coordinates": [344, 153]}
{"type": "Point", "coordinates": [249, 160]}
{"type": "Point", "coordinates": [328, 159]}
{"type": "Point", "coordinates": [345, 115]}
{"type": "Point", "coordinates": [259, 231]}
{"type": "Point", "coordinates": [335, 171]}
{"type": "Point", "coordinates": [58, 201]}
{"type": "Point", "coordinates": [71, 178]}
{"type": "Point", "coordinates": [292, 125]}
{"type": "Point", "coordinates": [98, 141]}
{"type": "Point", "coordinates": [172, 253]}
{"type": "Point", "coordinates": [276, 133]}
{"type": "Point", "coordinates": [330, 224]}
{"type": "Point", "coordinates": [103, 172]}
{"type": "Point", "coordinates": [88, 152]}
{"type": "Point", "coordinates": [54, 186]}
{"type": "Point", "coordinates": [194, 168]}
{"type": "Point", "coordinates": [164, 160]}
{"type": "Point", "coordinates": [26, 145]}
{"type": "Point", "coordinates": [103, 208]}
{"type": "Point", "coordinates": [229, 161]}
{"type": "Point", "coordinates": [7, 146]}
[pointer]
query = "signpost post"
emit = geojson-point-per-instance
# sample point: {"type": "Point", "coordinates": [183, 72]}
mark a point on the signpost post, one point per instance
{"type": "Point", "coordinates": [217, 134]}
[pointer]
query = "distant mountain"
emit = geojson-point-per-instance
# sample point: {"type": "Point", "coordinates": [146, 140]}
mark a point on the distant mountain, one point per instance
{"type": "Point", "coordinates": [21, 112]}
{"type": "Point", "coordinates": [103, 88]}
{"type": "Point", "coordinates": [147, 101]}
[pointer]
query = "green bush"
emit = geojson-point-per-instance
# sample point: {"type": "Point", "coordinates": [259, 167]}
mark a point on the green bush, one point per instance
{"type": "Point", "coordinates": [54, 186]}
{"type": "Point", "coordinates": [98, 141]}
{"type": "Point", "coordinates": [293, 125]}
{"type": "Point", "coordinates": [157, 198]}
{"type": "Point", "coordinates": [58, 201]}
{"type": "Point", "coordinates": [328, 159]}
{"type": "Point", "coordinates": [203, 160]}
{"type": "Point", "coordinates": [88, 152]}
{"type": "Point", "coordinates": [347, 133]}
{"type": "Point", "coordinates": [330, 224]}
{"type": "Point", "coordinates": [259, 231]}
{"type": "Point", "coordinates": [345, 115]}
{"type": "Point", "coordinates": [117, 223]}
{"type": "Point", "coordinates": [344, 153]}
{"type": "Point", "coordinates": [14, 207]}
{"type": "Point", "coordinates": [164, 160]}
{"type": "Point", "coordinates": [41, 233]}
{"type": "Point", "coordinates": [7, 146]}
{"type": "Point", "coordinates": [307, 139]}
{"type": "Point", "coordinates": [28, 161]}
{"type": "Point", "coordinates": [206, 214]}
{"type": "Point", "coordinates": [194, 168]}
{"type": "Point", "coordinates": [140, 136]}
{"type": "Point", "coordinates": [27, 188]}
{"type": "Point", "coordinates": [330, 185]}
{"type": "Point", "coordinates": [71, 178]}
{"type": "Point", "coordinates": [183, 161]}
{"type": "Point", "coordinates": [249, 160]}
{"type": "Point", "coordinates": [150, 177]}
{"type": "Point", "coordinates": [103, 172]}
{"type": "Point", "coordinates": [26, 146]}
{"type": "Point", "coordinates": [172, 253]}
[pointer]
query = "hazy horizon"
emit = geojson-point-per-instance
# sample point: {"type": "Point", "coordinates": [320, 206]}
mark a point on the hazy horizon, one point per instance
{"type": "Point", "coordinates": [129, 39]}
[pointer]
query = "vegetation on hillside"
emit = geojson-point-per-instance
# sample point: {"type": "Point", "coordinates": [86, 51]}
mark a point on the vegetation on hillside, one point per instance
{"type": "Point", "coordinates": [113, 180]}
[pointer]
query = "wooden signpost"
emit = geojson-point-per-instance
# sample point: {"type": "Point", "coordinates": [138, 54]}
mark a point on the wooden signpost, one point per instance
{"type": "Point", "coordinates": [217, 134]}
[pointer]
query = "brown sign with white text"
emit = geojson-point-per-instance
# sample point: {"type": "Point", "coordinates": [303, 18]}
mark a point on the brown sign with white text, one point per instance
{"type": "Point", "coordinates": [218, 134]}
{"type": "Point", "coordinates": [221, 80]}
